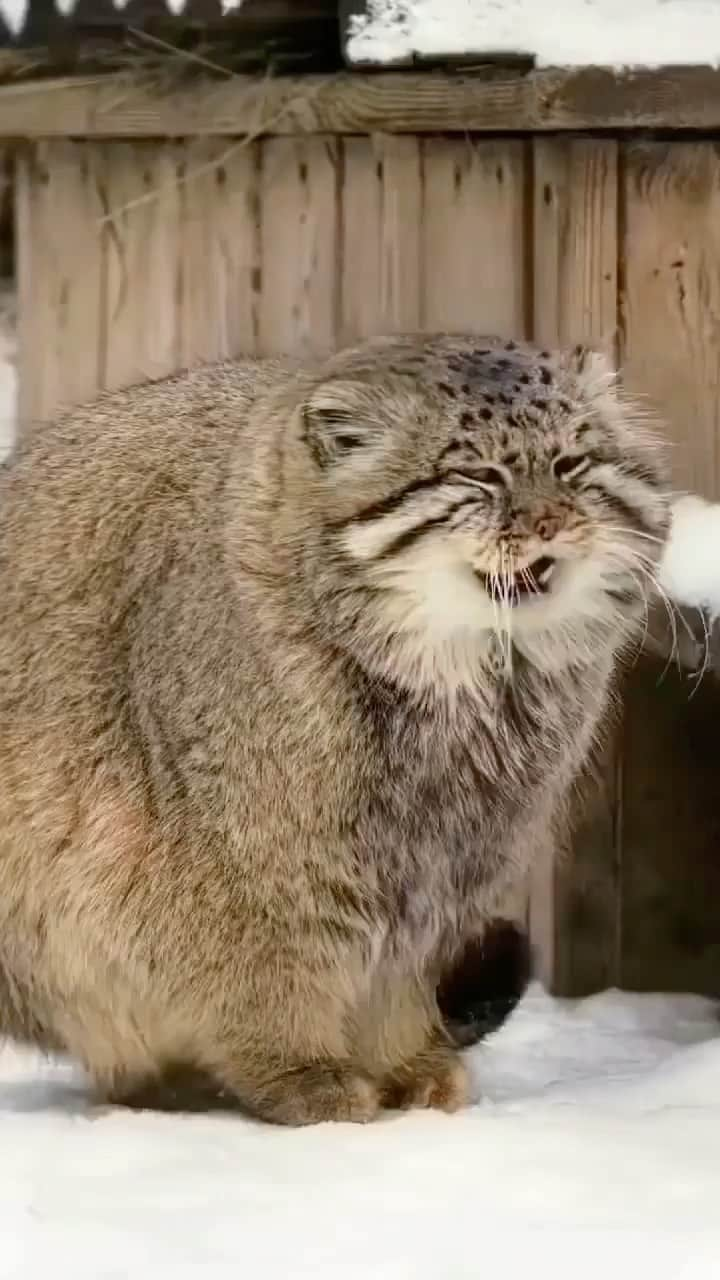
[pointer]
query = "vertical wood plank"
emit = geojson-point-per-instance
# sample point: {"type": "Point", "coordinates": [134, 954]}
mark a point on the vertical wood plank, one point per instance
{"type": "Point", "coordinates": [142, 199]}
{"type": "Point", "coordinates": [298, 311]}
{"type": "Point", "coordinates": [671, 299]}
{"type": "Point", "coordinates": [8, 306]}
{"type": "Point", "coordinates": [574, 909]}
{"type": "Point", "coordinates": [575, 241]}
{"type": "Point", "coordinates": [473, 236]}
{"type": "Point", "coordinates": [220, 252]}
{"type": "Point", "coordinates": [60, 271]}
{"type": "Point", "coordinates": [380, 257]}
{"type": "Point", "coordinates": [585, 934]}
{"type": "Point", "coordinates": [400, 242]}
{"type": "Point", "coordinates": [7, 200]}
{"type": "Point", "coordinates": [671, 816]}
{"type": "Point", "coordinates": [671, 322]}
{"type": "Point", "coordinates": [361, 229]}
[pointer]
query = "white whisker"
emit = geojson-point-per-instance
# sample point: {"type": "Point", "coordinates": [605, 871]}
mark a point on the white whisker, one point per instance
{"type": "Point", "coordinates": [634, 533]}
{"type": "Point", "coordinates": [706, 655]}
{"type": "Point", "coordinates": [627, 558]}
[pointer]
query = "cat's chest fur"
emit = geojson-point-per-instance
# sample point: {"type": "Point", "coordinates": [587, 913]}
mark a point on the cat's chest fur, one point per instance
{"type": "Point", "coordinates": [458, 784]}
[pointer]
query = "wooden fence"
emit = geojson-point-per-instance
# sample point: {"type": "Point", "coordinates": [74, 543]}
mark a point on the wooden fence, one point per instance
{"type": "Point", "coordinates": [136, 258]}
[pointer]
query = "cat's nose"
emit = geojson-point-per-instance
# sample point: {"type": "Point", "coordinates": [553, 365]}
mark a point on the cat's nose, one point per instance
{"type": "Point", "coordinates": [548, 524]}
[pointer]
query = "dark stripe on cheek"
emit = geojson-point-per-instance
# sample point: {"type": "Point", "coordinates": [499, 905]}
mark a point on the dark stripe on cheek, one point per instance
{"type": "Point", "coordinates": [387, 506]}
{"type": "Point", "coordinates": [629, 514]}
{"type": "Point", "coordinates": [640, 471]}
{"type": "Point", "coordinates": [409, 536]}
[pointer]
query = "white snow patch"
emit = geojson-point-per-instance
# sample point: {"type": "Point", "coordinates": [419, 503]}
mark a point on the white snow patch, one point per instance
{"type": "Point", "coordinates": [8, 373]}
{"type": "Point", "coordinates": [566, 33]}
{"type": "Point", "coordinates": [690, 568]}
{"type": "Point", "coordinates": [14, 11]}
{"type": "Point", "coordinates": [593, 1152]}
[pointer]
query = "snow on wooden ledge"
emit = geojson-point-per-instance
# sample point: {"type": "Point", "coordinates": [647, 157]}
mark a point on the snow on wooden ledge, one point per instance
{"type": "Point", "coordinates": [566, 33]}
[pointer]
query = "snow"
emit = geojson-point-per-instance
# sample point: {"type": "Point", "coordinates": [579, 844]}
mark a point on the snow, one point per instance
{"type": "Point", "coordinates": [8, 372]}
{"type": "Point", "coordinates": [690, 568]}
{"type": "Point", "coordinates": [594, 1150]}
{"type": "Point", "coordinates": [566, 33]}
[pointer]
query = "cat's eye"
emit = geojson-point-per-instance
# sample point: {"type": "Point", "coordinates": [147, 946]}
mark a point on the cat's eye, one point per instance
{"type": "Point", "coordinates": [570, 465]}
{"type": "Point", "coordinates": [488, 477]}
{"type": "Point", "coordinates": [492, 477]}
{"type": "Point", "coordinates": [344, 441]}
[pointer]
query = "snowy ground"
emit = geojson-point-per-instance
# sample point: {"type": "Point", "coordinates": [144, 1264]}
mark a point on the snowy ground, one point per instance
{"type": "Point", "coordinates": [593, 1152]}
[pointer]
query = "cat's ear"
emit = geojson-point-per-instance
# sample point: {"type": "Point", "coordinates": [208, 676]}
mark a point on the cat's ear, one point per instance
{"type": "Point", "coordinates": [338, 421]}
{"type": "Point", "coordinates": [592, 369]}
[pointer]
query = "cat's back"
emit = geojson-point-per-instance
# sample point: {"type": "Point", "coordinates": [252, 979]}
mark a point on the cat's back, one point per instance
{"type": "Point", "coordinates": [73, 488]}
{"type": "Point", "coordinates": [177, 426]}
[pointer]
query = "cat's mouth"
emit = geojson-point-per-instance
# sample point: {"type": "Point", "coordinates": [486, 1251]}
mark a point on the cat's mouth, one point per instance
{"type": "Point", "coordinates": [534, 580]}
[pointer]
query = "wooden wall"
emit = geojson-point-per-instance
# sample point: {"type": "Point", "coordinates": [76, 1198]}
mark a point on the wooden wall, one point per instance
{"type": "Point", "coordinates": [139, 258]}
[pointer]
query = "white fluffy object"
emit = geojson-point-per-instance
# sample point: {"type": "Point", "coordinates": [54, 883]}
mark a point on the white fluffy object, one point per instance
{"type": "Point", "coordinates": [565, 33]}
{"type": "Point", "coordinates": [690, 568]}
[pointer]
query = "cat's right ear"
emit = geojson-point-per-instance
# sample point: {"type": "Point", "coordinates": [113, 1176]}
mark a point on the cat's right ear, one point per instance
{"type": "Point", "coordinates": [338, 422]}
{"type": "Point", "coordinates": [592, 368]}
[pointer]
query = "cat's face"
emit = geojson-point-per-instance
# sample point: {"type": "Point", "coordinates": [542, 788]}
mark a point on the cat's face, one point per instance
{"type": "Point", "coordinates": [486, 492]}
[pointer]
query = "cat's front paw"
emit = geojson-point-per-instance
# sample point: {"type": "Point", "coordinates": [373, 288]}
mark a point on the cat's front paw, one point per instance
{"type": "Point", "coordinates": [317, 1093]}
{"type": "Point", "coordinates": [437, 1079]}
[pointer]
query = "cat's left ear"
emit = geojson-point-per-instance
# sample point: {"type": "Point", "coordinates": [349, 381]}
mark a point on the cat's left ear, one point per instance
{"type": "Point", "coordinates": [338, 421]}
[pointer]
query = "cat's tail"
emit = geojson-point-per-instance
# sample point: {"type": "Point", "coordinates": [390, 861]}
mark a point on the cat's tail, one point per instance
{"type": "Point", "coordinates": [486, 982]}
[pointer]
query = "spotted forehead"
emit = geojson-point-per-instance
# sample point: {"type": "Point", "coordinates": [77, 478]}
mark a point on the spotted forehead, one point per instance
{"type": "Point", "coordinates": [507, 386]}
{"type": "Point", "coordinates": [509, 374]}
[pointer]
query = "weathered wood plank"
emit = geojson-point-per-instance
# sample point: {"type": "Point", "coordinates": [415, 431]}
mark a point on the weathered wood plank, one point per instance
{"type": "Point", "coordinates": [670, 321]}
{"type": "Point", "coordinates": [299, 301]}
{"type": "Point", "coordinates": [575, 235]}
{"type": "Point", "coordinates": [473, 236]}
{"type": "Point", "coordinates": [592, 98]}
{"type": "Point", "coordinates": [7, 184]}
{"type": "Point", "coordinates": [60, 278]}
{"type": "Point", "coordinates": [141, 195]}
{"type": "Point", "coordinates": [574, 910]}
{"type": "Point", "coordinates": [671, 300]}
{"type": "Point", "coordinates": [220, 248]}
{"type": "Point", "coordinates": [381, 248]}
{"type": "Point", "coordinates": [587, 901]}
{"type": "Point", "coordinates": [671, 830]}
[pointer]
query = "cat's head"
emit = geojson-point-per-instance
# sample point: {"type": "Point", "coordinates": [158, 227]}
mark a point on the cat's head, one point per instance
{"type": "Point", "coordinates": [474, 496]}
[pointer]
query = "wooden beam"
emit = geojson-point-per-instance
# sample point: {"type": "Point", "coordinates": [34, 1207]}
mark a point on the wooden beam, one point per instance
{"type": "Point", "coordinates": [131, 105]}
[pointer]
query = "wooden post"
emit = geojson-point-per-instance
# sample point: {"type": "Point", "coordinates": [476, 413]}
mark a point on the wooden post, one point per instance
{"type": "Point", "coordinates": [59, 267]}
{"type": "Point", "coordinates": [473, 229]}
{"type": "Point", "coordinates": [299, 237]}
{"type": "Point", "coordinates": [381, 236]}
